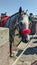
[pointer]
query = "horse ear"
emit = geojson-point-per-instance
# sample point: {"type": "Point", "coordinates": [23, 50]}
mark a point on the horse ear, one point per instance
{"type": "Point", "coordinates": [20, 10]}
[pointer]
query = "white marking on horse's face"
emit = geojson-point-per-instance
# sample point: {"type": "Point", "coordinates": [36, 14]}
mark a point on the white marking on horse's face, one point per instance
{"type": "Point", "coordinates": [25, 21]}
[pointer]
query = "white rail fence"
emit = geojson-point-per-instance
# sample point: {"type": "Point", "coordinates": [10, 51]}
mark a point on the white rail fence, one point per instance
{"type": "Point", "coordinates": [27, 45]}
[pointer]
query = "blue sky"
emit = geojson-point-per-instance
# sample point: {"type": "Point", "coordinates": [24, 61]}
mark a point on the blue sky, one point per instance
{"type": "Point", "coordinates": [12, 6]}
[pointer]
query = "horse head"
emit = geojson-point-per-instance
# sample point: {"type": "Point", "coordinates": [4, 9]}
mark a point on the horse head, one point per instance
{"type": "Point", "coordinates": [23, 25]}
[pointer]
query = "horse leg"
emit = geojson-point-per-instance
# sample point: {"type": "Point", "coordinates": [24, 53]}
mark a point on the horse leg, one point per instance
{"type": "Point", "coordinates": [10, 49]}
{"type": "Point", "coordinates": [11, 40]}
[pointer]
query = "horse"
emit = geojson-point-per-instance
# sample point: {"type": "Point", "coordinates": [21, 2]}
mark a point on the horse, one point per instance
{"type": "Point", "coordinates": [21, 23]}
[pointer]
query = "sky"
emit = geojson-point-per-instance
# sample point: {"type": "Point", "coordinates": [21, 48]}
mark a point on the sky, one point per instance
{"type": "Point", "coordinates": [12, 6]}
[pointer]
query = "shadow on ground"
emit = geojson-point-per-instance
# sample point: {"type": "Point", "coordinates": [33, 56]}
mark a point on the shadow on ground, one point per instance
{"type": "Point", "coordinates": [34, 38]}
{"type": "Point", "coordinates": [35, 42]}
{"type": "Point", "coordinates": [30, 50]}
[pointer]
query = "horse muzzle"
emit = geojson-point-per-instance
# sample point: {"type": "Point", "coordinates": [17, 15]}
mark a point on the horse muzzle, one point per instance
{"type": "Point", "coordinates": [25, 31]}
{"type": "Point", "coordinates": [25, 35]}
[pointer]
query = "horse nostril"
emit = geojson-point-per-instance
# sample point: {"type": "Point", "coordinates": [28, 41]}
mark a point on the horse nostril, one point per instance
{"type": "Point", "coordinates": [24, 40]}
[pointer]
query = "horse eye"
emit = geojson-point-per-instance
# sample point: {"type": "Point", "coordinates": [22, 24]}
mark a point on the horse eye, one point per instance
{"type": "Point", "coordinates": [21, 23]}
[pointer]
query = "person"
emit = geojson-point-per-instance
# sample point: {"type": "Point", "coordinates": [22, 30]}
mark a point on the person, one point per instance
{"type": "Point", "coordinates": [0, 21]}
{"type": "Point", "coordinates": [30, 20]}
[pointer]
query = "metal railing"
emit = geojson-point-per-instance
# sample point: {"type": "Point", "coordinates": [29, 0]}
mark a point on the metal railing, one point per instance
{"type": "Point", "coordinates": [27, 45]}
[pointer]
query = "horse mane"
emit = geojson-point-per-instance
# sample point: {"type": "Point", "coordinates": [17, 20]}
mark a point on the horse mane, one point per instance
{"type": "Point", "coordinates": [12, 19]}
{"type": "Point", "coordinates": [14, 14]}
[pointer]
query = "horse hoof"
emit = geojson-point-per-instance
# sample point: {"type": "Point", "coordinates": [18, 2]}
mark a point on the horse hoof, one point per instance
{"type": "Point", "coordinates": [11, 55]}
